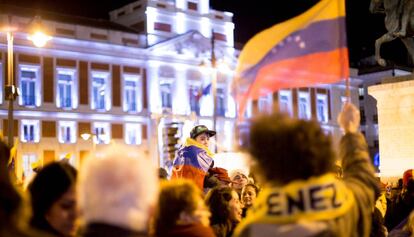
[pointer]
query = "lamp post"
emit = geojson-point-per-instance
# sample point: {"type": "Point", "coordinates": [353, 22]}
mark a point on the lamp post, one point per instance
{"type": "Point", "coordinates": [214, 85]}
{"type": "Point", "coordinates": [39, 39]}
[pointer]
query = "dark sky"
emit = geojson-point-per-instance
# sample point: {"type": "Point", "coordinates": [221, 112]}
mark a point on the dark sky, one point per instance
{"type": "Point", "coordinates": [251, 17]}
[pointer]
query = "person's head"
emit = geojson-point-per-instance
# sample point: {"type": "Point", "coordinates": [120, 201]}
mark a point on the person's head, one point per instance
{"type": "Point", "coordinates": [221, 175]}
{"type": "Point", "coordinates": [239, 179]}
{"type": "Point", "coordinates": [249, 194]}
{"type": "Point", "coordinates": [162, 174]}
{"type": "Point", "coordinates": [118, 189]}
{"type": "Point", "coordinates": [202, 134]}
{"type": "Point", "coordinates": [408, 175]}
{"type": "Point", "coordinates": [224, 205]}
{"type": "Point", "coordinates": [287, 149]}
{"type": "Point", "coordinates": [180, 203]}
{"type": "Point", "coordinates": [53, 197]}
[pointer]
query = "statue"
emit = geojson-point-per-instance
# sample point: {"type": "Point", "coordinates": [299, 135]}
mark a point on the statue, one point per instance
{"type": "Point", "coordinates": [399, 22]}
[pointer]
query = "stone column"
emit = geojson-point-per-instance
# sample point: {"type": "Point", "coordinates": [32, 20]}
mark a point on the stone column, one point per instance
{"type": "Point", "coordinates": [395, 105]}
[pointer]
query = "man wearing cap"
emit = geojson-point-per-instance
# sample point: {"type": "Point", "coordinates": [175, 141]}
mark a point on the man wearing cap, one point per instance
{"type": "Point", "coordinates": [194, 158]}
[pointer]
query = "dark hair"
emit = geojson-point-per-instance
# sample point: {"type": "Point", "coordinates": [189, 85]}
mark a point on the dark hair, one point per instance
{"type": "Point", "coordinates": [10, 199]}
{"type": "Point", "coordinates": [175, 196]}
{"type": "Point", "coordinates": [217, 199]}
{"type": "Point", "coordinates": [48, 186]}
{"type": "Point", "coordinates": [287, 149]}
{"type": "Point", "coordinates": [256, 189]}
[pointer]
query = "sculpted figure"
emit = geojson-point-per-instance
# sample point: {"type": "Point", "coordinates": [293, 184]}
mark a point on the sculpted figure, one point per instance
{"type": "Point", "coordinates": [398, 21]}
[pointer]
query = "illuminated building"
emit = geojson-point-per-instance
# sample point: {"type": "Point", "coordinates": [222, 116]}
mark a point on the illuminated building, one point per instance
{"type": "Point", "coordinates": [125, 79]}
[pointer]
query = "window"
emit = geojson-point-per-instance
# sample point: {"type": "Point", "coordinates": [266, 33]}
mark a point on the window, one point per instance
{"type": "Point", "coordinates": [166, 97]}
{"type": "Point", "coordinates": [194, 95]}
{"type": "Point", "coordinates": [221, 102]}
{"type": "Point", "coordinates": [361, 92]}
{"type": "Point", "coordinates": [265, 104]}
{"type": "Point", "coordinates": [28, 160]}
{"type": "Point", "coordinates": [132, 95]}
{"type": "Point", "coordinates": [285, 102]}
{"type": "Point", "coordinates": [66, 88]}
{"type": "Point", "coordinates": [303, 105]}
{"type": "Point", "coordinates": [133, 134]}
{"type": "Point", "coordinates": [100, 91]}
{"type": "Point", "coordinates": [162, 27]}
{"type": "Point", "coordinates": [29, 131]}
{"type": "Point", "coordinates": [101, 131]}
{"type": "Point", "coordinates": [29, 86]}
{"type": "Point", "coordinates": [67, 132]}
{"type": "Point", "coordinates": [2, 82]}
{"type": "Point", "coordinates": [322, 108]}
{"type": "Point", "coordinates": [249, 109]}
{"type": "Point", "coordinates": [192, 6]}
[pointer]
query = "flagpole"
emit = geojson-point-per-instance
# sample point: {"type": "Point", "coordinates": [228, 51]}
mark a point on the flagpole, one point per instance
{"type": "Point", "coordinates": [214, 85]}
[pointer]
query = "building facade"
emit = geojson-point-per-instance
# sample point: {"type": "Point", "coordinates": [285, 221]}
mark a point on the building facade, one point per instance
{"type": "Point", "coordinates": [124, 80]}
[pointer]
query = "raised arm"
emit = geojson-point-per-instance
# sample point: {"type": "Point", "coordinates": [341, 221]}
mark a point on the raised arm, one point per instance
{"type": "Point", "coordinates": [357, 169]}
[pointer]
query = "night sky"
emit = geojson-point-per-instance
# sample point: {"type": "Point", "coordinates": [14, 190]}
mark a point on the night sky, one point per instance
{"type": "Point", "coordinates": [251, 17]}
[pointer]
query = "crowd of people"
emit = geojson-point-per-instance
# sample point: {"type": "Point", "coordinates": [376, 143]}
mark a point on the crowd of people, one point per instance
{"type": "Point", "coordinates": [293, 189]}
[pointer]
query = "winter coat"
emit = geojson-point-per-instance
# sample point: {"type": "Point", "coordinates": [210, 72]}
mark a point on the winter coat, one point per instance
{"type": "Point", "coordinates": [106, 230]}
{"type": "Point", "coordinates": [346, 211]}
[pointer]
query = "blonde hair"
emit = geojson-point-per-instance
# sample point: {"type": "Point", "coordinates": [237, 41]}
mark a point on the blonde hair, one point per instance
{"type": "Point", "coordinates": [118, 188]}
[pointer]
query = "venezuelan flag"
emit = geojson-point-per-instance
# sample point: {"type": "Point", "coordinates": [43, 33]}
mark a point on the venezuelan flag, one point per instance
{"type": "Point", "coordinates": [303, 51]}
{"type": "Point", "coordinates": [192, 162]}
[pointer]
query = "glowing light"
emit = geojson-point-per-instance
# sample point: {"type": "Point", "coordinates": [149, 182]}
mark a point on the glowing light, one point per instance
{"type": "Point", "coordinates": [232, 161]}
{"type": "Point", "coordinates": [85, 136]}
{"type": "Point", "coordinates": [39, 39]}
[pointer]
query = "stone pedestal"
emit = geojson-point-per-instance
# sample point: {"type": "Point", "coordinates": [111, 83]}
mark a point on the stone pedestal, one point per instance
{"type": "Point", "coordinates": [395, 105]}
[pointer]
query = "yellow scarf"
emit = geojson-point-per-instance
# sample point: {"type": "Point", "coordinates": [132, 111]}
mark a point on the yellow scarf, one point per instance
{"type": "Point", "coordinates": [192, 142]}
{"type": "Point", "coordinates": [316, 199]}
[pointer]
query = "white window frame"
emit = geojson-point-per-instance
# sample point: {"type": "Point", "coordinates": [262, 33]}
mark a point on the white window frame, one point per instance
{"type": "Point", "coordinates": [264, 103]}
{"type": "Point", "coordinates": [248, 111]}
{"type": "Point", "coordinates": [306, 114]}
{"type": "Point", "coordinates": [2, 82]}
{"type": "Point", "coordinates": [224, 97]}
{"type": "Point", "coordinates": [196, 84]}
{"type": "Point", "coordinates": [288, 94]}
{"type": "Point", "coordinates": [166, 81]}
{"type": "Point", "coordinates": [104, 138]}
{"type": "Point", "coordinates": [106, 90]}
{"type": "Point", "coordinates": [73, 135]}
{"type": "Point", "coordinates": [133, 128]}
{"type": "Point", "coordinates": [74, 96]}
{"type": "Point", "coordinates": [361, 91]}
{"type": "Point", "coordinates": [138, 89]}
{"type": "Point", "coordinates": [27, 160]}
{"type": "Point", "coordinates": [324, 98]}
{"type": "Point", "coordinates": [36, 130]}
{"type": "Point", "coordinates": [38, 86]}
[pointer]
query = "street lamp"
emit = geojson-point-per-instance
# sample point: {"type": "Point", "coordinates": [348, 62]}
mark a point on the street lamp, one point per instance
{"type": "Point", "coordinates": [214, 85]}
{"type": "Point", "coordinates": [39, 39]}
